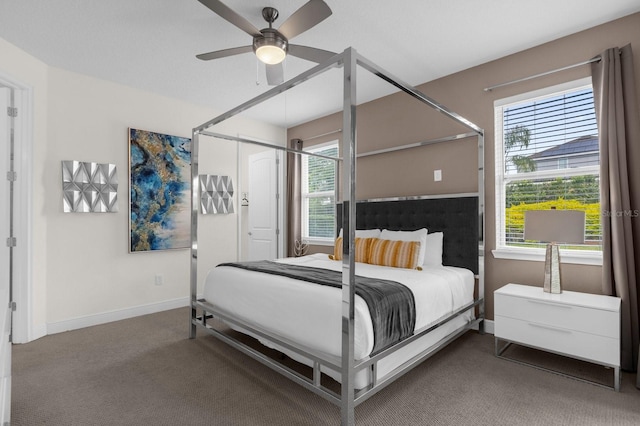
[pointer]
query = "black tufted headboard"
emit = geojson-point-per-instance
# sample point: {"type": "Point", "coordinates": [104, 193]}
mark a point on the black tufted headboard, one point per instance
{"type": "Point", "coordinates": [456, 217]}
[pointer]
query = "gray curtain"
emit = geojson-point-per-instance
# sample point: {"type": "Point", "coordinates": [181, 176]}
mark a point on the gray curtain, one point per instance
{"type": "Point", "coordinates": [619, 134]}
{"type": "Point", "coordinates": [294, 201]}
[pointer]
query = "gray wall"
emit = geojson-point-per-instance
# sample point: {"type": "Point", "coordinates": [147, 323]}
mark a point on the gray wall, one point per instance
{"type": "Point", "coordinates": [398, 120]}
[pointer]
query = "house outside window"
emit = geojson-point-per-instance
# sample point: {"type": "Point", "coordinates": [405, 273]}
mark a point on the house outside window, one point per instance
{"type": "Point", "coordinates": [318, 195]}
{"type": "Point", "coordinates": [547, 156]}
{"type": "Point", "coordinates": [563, 163]}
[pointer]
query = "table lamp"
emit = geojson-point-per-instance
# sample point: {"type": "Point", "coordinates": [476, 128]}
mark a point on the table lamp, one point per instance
{"type": "Point", "coordinates": [553, 227]}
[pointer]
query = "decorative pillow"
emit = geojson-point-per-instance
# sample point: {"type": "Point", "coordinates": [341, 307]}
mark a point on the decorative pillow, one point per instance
{"type": "Point", "coordinates": [433, 249]}
{"type": "Point", "coordinates": [398, 254]}
{"type": "Point", "coordinates": [420, 235]}
{"type": "Point", "coordinates": [365, 233]}
{"type": "Point", "coordinates": [363, 246]}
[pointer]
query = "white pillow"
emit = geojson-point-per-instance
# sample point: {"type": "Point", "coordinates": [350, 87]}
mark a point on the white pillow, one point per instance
{"type": "Point", "coordinates": [420, 235]}
{"type": "Point", "coordinates": [365, 233]}
{"type": "Point", "coordinates": [433, 249]}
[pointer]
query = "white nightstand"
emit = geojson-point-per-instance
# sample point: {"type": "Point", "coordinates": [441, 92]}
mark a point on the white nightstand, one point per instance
{"type": "Point", "coordinates": [580, 325]}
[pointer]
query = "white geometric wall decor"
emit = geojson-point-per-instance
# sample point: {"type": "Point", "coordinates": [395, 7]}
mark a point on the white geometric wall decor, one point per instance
{"type": "Point", "coordinates": [89, 187]}
{"type": "Point", "coordinates": [216, 194]}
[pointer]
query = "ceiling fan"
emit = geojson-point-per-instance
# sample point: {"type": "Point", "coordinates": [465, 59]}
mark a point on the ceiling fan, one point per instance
{"type": "Point", "coordinates": [272, 45]}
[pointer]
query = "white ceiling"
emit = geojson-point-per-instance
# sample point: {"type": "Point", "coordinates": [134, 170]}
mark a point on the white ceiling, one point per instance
{"type": "Point", "coordinates": [151, 44]}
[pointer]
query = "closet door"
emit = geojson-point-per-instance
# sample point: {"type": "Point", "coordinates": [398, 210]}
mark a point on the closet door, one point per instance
{"type": "Point", "coordinates": [263, 206]}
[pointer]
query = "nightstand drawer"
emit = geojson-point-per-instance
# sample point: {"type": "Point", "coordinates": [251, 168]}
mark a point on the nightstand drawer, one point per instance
{"type": "Point", "coordinates": [578, 344]}
{"type": "Point", "coordinates": [578, 318]}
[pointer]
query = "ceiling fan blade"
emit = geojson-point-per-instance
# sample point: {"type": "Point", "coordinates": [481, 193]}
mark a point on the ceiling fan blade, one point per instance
{"type": "Point", "coordinates": [275, 74]}
{"type": "Point", "coordinates": [309, 15]}
{"type": "Point", "coordinates": [230, 15]}
{"type": "Point", "coordinates": [310, 53]}
{"type": "Point", "coordinates": [224, 53]}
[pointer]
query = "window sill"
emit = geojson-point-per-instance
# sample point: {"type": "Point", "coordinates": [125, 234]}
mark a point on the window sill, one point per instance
{"type": "Point", "coordinates": [313, 242]}
{"type": "Point", "coordinates": [537, 255]}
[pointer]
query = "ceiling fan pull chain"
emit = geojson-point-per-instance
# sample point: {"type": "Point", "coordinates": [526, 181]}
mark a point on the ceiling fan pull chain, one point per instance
{"type": "Point", "coordinates": [257, 72]}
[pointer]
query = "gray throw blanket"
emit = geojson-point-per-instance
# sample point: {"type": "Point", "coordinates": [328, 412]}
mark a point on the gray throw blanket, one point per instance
{"type": "Point", "coordinates": [391, 304]}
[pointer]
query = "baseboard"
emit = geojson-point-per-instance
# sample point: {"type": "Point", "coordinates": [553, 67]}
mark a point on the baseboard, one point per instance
{"type": "Point", "coordinates": [488, 326]}
{"type": "Point", "coordinates": [105, 317]}
{"type": "Point", "coordinates": [37, 332]}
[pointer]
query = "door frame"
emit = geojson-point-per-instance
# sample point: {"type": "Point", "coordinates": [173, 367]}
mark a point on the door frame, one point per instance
{"type": "Point", "coordinates": [21, 281]}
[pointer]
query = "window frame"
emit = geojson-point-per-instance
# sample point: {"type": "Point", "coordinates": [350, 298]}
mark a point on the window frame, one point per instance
{"type": "Point", "coordinates": [305, 195]}
{"type": "Point", "coordinates": [502, 251]}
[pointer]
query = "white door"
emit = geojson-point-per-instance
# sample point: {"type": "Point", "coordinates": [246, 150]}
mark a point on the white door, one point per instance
{"type": "Point", "coordinates": [4, 189]}
{"type": "Point", "coordinates": [265, 206]}
{"type": "Point", "coordinates": [5, 291]}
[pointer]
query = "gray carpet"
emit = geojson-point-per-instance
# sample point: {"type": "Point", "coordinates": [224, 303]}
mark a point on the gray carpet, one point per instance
{"type": "Point", "coordinates": [146, 371]}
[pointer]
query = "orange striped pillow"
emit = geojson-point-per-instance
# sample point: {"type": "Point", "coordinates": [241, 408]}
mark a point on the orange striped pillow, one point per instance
{"type": "Point", "coordinates": [397, 254]}
{"type": "Point", "coordinates": [362, 249]}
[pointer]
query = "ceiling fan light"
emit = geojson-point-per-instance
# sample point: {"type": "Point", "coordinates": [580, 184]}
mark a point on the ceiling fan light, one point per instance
{"type": "Point", "coordinates": [270, 47]}
{"type": "Point", "coordinates": [271, 54]}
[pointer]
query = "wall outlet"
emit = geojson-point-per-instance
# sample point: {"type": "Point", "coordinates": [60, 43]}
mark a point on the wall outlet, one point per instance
{"type": "Point", "coordinates": [158, 280]}
{"type": "Point", "coordinates": [437, 175]}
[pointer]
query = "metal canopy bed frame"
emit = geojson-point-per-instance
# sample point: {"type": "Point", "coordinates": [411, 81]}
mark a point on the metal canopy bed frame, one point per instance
{"type": "Point", "coordinates": [349, 397]}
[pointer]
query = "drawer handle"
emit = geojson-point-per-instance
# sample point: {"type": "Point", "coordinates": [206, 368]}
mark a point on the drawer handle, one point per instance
{"type": "Point", "coordinates": [550, 327]}
{"type": "Point", "coordinates": [538, 302]}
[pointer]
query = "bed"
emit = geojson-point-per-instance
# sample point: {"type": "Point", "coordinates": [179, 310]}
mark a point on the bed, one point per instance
{"type": "Point", "coordinates": [330, 327]}
{"type": "Point", "coordinates": [309, 314]}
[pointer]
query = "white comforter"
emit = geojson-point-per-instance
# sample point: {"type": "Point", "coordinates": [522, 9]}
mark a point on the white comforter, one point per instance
{"type": "Point", "coordinates": [311, 314]}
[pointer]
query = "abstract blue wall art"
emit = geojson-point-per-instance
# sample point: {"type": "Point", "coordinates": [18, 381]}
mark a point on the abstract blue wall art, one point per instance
{"type": "Point", "coordinates": [159, 191]}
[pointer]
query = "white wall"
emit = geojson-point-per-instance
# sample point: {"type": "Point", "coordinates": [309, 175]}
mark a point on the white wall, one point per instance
{"type": "Point", "coordinates": [82, 260]}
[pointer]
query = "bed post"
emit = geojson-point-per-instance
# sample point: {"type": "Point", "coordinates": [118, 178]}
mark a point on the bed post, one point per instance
{"type": "Point", "coordinates": [349, 226]}
{"type": "Point", "coordinates": [481, 231]}
{"type": "Point", "coordinates": [194, 232]}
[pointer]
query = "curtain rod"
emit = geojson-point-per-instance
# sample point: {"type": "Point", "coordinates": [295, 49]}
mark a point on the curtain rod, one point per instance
{"type": "Point", "coordinates": [490, 88]}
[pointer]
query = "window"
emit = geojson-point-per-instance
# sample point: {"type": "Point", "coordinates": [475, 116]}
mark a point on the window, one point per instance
{"type": "Point", "coordinates": [318, 194]}
{"type": "Point", "coordinates": [547, 156]}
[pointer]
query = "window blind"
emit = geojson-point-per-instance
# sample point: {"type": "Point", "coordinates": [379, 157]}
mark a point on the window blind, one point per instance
{"type": "Point", "coordinates": [550, 159]}
{"type": "Point", "coordinates": [550, 134]}
{"type": "Point", "coordinates": [319, 194]}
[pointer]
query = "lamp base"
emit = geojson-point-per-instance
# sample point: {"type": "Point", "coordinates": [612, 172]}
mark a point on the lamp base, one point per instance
{"type": "Point", "coordinates": [552, 282]}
